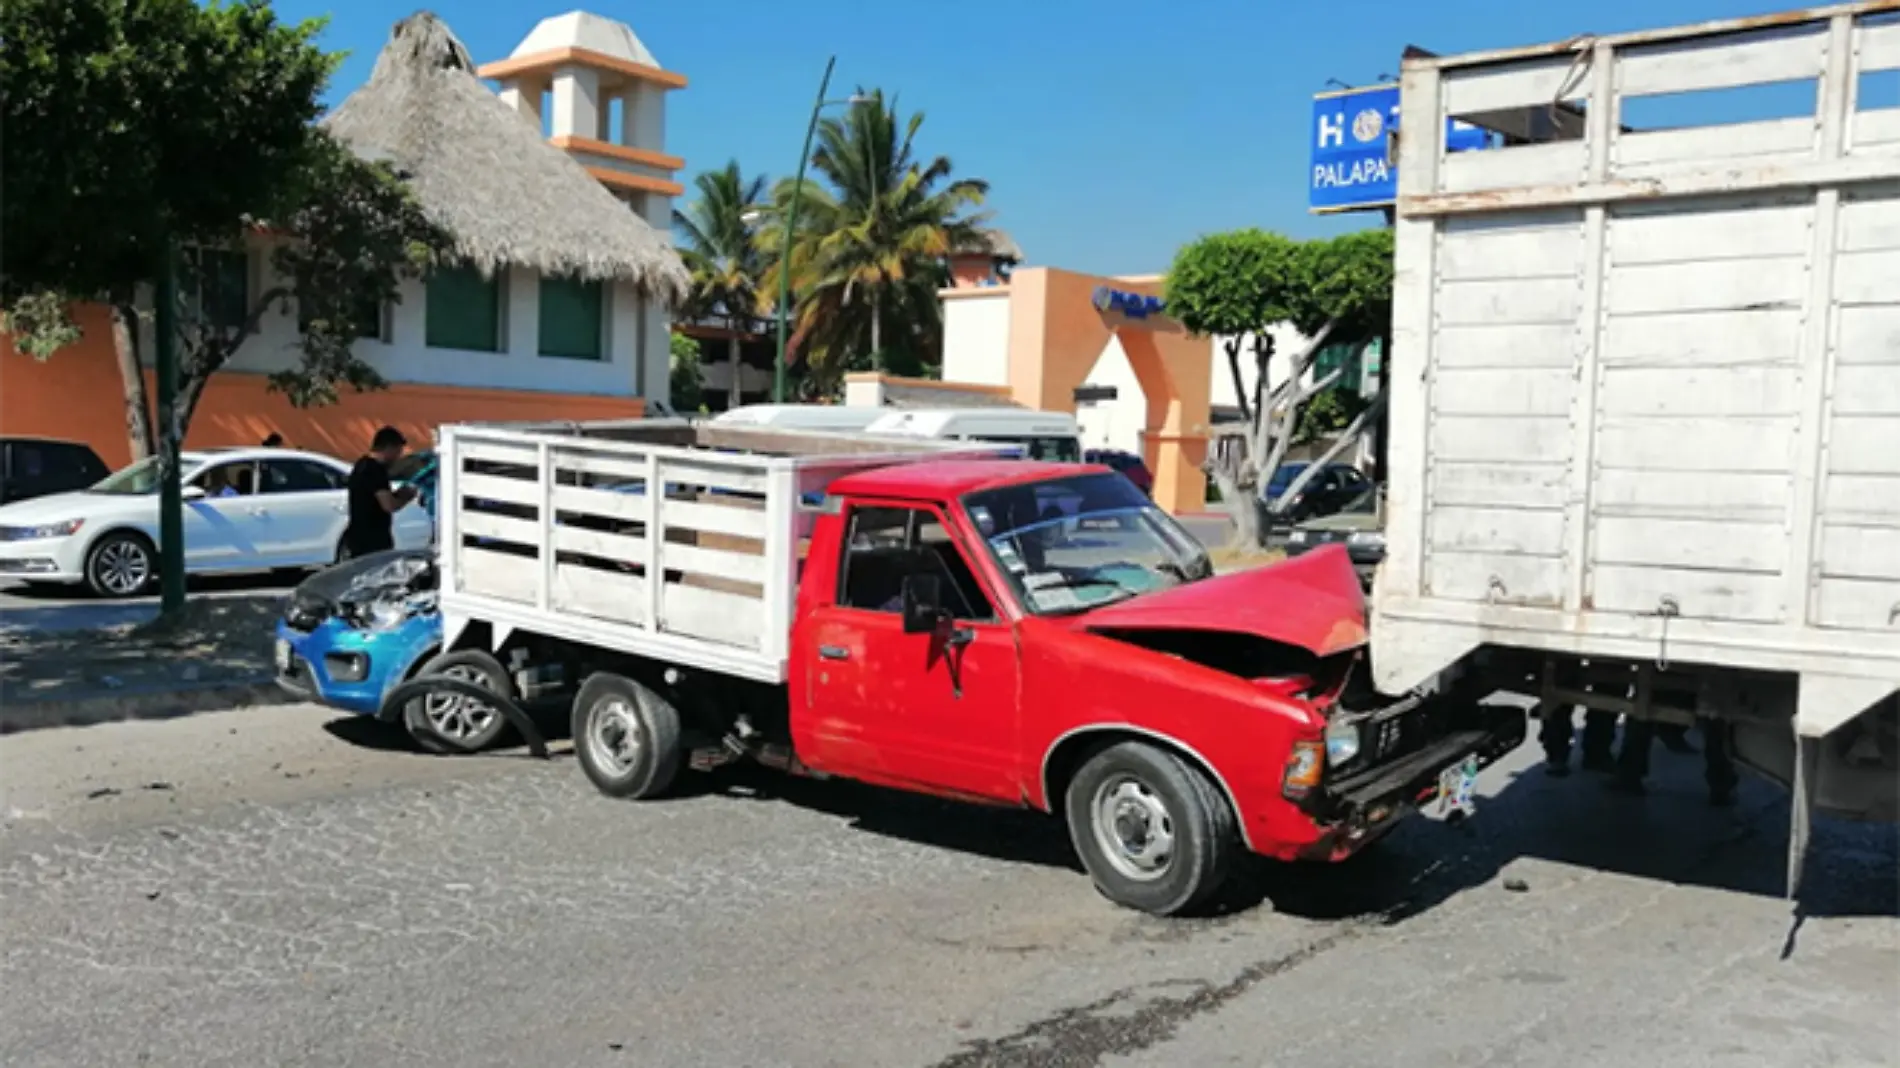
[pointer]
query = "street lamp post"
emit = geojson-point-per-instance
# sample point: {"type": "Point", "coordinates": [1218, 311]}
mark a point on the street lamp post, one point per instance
{"type": "Point", "coordinates": [783, 308]}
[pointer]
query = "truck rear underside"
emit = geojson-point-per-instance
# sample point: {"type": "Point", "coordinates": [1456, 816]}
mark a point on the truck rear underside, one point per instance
{"type": "Point", "coordinates": [1645, 430]}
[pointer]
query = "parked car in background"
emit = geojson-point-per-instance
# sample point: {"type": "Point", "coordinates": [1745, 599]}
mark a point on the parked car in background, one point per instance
{"type": "Point", "coordinates": [1359, 526]}
{"type": "Point", "coordinates": [1325, 493]}
{"type": "Point", "coordinates": [40, 467]}
{"type": "Point", "coordinates": [250, 509]}
{"type": "Point", "coordinates": [1127, 464]}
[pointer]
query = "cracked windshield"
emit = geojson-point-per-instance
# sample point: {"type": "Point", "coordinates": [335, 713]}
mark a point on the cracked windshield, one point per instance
{"type": "Point", "coordinates": [985, 535]}
{"type": "Point", "coordinates": [1076, 543]}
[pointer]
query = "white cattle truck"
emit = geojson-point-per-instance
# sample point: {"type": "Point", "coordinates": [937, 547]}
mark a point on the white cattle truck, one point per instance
{"type": "Point", "coordinates": [1645, 408]}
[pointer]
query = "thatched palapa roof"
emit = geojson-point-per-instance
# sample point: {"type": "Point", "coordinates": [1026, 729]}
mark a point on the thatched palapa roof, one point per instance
{"type": "Point", "coordinates": [996, 244]}
{"type": "Point", "coordinates": [482, 171]}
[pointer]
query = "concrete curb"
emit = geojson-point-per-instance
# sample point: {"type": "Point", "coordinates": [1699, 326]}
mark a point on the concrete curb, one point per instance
{"type": "Point", "coordinates": [154, 702]}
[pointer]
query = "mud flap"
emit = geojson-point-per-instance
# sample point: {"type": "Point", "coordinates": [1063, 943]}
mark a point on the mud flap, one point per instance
{"type": "Point", "coordinates": [1807, 766]}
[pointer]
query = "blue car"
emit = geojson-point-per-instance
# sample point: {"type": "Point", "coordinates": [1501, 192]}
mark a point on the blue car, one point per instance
{"type": "Point", "coordinates": [355, 632]}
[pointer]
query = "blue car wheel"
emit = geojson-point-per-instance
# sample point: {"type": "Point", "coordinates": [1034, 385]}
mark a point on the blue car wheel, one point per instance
{"type": "Point", "coordinates": [452, 724]}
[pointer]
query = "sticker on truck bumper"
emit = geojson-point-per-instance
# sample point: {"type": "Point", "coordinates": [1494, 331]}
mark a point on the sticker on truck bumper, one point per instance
{"type": "Point", "coordinates": [1456, 786]}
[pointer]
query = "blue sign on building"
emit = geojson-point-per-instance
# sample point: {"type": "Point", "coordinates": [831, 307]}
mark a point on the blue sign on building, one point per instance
{"type": "Point", "coordinates": [1131, 305]}
{"type": "Point", "coordinates": [1351, 168]}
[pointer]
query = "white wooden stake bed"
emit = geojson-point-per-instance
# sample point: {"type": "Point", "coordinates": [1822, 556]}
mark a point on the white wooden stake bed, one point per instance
{"type": "Point", "coordinates": [1646, 381]}
{"type": "Point", "coordinates": [562, 530]}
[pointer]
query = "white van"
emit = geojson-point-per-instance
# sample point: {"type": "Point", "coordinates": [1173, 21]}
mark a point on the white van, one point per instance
{"type": "Point", "coordinates": [836, 418]}
{"type": "Point", "coordinates": [1043, 435]}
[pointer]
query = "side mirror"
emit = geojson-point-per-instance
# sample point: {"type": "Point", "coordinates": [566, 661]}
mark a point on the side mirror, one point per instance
{"type": "Point", "coordinates": [192, 493]}
{"type": "Point", "coordinates": [923, 603]}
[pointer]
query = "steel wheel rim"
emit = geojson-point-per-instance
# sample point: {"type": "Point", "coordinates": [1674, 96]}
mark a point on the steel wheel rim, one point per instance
{"type": "Point", "coordinates": [1134, 828]}
{"type": "Point", "coordinates": [614, 736]}
{"type": "Point", "coordinates": [456, 717]}
{"type": "Point", "coordinates": [122, 567]}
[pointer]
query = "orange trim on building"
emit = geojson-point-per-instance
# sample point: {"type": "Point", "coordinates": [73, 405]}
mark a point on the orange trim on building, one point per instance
{"type": "Point", "coordinates": [555, 58]}
{"type": "Point", "coordinates": [75, 395]}
{"type": "Point", "coordinates": [645, 157]}
{"type": "Point", "coordinates": [637, 182]}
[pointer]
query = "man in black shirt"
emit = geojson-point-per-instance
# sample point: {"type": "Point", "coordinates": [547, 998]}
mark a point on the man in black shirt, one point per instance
{"type": "Point", "coordinates": [372, 501]}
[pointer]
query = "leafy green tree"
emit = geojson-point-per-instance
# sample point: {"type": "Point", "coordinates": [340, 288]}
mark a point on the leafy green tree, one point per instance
{"type": "Point", "coordinates": [729, 266]}
{"type": "Point", "coordinates": [683, 377]}
{"type": "Point", "coordinates": [131, 125]}
{"type": "Point", "coordinates": [875, 228]}
{"type": "Point", "coordinates": [1235, 286]}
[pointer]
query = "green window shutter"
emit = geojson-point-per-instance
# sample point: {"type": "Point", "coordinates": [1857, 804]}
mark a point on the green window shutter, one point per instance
{"type": "Point", "coordinates": [571, 317]}
{"type": "Point", "coordinates": [1334, 357]}
{"type": "Point", "coordinates": [463, 310]}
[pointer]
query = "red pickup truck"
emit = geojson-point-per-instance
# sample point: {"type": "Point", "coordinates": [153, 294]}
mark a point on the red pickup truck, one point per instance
{"type": "Point", "coordinates": [998, 631]}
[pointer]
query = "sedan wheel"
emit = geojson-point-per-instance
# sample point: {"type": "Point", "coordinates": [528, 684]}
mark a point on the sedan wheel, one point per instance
{"type": "Point", "coordinates": [121, 565]}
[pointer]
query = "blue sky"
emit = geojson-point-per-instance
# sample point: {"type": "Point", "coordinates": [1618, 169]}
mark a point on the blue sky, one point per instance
{"type": "Point", "coordinates": [1111, 132]}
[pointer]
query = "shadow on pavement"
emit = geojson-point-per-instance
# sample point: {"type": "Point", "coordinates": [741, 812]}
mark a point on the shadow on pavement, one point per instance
{"type": "Point", "coordinates": [1671, 835]}
{"type": "Point", "coordinates": [218, 657]}
{"type": "Point", "coordinates": [259, 582]}
{"type": "Point", "coordinates": [368, 732]}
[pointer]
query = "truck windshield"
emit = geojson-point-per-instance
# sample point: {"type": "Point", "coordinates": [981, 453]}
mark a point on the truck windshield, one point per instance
{"type": "Point", "coordinates": [1070, 544]}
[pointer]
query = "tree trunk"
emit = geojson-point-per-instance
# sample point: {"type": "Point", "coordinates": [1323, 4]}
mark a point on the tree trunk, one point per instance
{"type": "Point", "coordinates": [1232, 345]}
{"type": "Point", "coordinates": [191, 390]}
{"type": "Point", "coordinates": [733, 395]}
{"type": "Point", "coordinates": [877, 331]}
{"type": "Point", "coordinates": [1240, 509]}
{"type": "Point", "coordinates": [138, 409]}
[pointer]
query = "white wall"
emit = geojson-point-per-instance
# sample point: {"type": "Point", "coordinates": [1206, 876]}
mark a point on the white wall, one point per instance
{"type": "Point", "coordinates": [1118, 423]}
{"type": "Point", "coordinates": [404, 356]}
{"type": "Point", "coordinates": [976, 338]}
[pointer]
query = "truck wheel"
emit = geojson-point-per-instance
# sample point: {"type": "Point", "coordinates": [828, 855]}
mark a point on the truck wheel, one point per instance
{"type": "Point", "coordinates": [627, 737]}
{"type": "Point", "coordinates": [454, 724]}
{"type": "Point", "coordinates": [1154, 833]}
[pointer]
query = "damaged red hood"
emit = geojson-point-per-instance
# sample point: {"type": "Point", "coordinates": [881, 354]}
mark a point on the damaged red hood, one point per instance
{"type": "Point", "coordinates": [1313, 601]}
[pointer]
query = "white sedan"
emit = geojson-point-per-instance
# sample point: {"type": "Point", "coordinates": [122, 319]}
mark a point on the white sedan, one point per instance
{"type": "Point", "coordinates": [245, 510]}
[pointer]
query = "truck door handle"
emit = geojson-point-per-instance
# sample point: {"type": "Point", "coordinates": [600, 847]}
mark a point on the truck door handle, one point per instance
{"type": "Point", "coordinates": [833, 652]}
{"type": "Point", "coordinates": [259, 511]}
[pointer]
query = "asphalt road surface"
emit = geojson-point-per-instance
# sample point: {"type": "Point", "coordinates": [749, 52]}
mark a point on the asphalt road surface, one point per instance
{"type": "Point", "coordinates": [282, 887]}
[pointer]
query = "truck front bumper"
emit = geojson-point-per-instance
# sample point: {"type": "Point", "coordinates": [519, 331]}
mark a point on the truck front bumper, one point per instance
{"type": "Point", "coordinates": [1357, 808]}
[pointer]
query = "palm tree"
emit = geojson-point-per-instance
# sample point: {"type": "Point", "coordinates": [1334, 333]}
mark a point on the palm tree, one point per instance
{"type": "Point", "coordinates": [722, 250]}
{"type": "Point", "coordinates": [875, 231]}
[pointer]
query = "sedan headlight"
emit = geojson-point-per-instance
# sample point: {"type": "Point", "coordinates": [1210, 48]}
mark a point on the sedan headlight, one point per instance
{"type": "Point", "coordinates": [63, 529]}
{"type": "Point", "coordinates": [1342, 741]}
{"type": "Point", "coordinates": [1368, 538]}
{"type": "Point", "coordinates": [1298, 537]}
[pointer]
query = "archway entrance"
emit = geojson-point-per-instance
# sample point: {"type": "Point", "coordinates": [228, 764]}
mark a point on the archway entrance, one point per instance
{"type": "Point", "coordinates": [1060, 322]}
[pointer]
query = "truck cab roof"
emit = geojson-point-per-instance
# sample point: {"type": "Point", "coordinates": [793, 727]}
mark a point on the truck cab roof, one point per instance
{"type": "Point", "coordinates": [950, 479]}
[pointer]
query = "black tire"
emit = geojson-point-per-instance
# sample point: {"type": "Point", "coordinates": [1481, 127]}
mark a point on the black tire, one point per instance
{"type": "Point", "coordinates": [1154, 784]}
{"type": "Point", "coordinates": [605, 709]}
{"type": "Point", "coordinates": [460, 730]}
{"type": "Point", "coordinates": [108, 558]}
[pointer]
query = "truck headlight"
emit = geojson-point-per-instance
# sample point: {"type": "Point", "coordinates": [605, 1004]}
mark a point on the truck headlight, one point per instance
{"type": "Point", "coordinates": [1342, 741]}
{"type": "Point", "coordinates": [1298, 537]}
